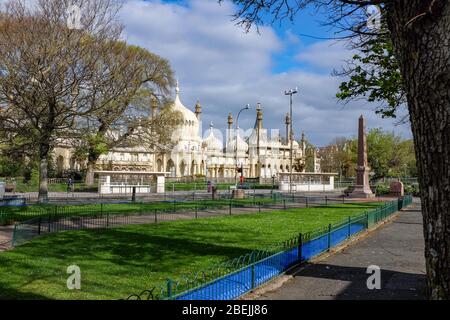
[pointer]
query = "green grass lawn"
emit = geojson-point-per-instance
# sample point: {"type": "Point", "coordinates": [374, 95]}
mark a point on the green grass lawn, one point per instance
{"type": "Point", "coordinates": [11, 214]}
{"type": "Point", "coordinates": [22, 187]}
{"type": "Point", "coordinates": [117, 262]}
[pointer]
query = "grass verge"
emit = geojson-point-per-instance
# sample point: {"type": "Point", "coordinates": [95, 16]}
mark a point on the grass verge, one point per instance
{"type": "Point", "coordinates": [117, 262]}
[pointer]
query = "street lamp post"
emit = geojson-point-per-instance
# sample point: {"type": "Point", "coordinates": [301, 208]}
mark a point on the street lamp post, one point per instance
{"type": "Point", "coordinates": [290, 93]}
{"type": "Point", "coordinates": [247, 107]}
{"type": "Point", "coordinates": [258, 166]}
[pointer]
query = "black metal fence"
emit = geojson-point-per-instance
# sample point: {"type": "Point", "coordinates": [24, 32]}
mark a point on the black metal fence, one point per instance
{"type": "Point", "coordinates": [51, 219]}
{"type": "Point", "coordinates": [234, 278]}
{"type": "Point", "coordinates": [20, 213]}
{"type": "Point", "coordinates": [177, 192]}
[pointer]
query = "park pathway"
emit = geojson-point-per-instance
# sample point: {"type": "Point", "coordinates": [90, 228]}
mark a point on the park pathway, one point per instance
{"type": "Point", "coordinates": [6, 233]}
{"type": "Point", "coordinates": [397, 248]}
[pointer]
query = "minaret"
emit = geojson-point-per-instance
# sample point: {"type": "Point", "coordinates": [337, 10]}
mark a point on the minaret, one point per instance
{"type": "Point", "coordinates": [177, 89]}
{"type": "Point", "coordinates": [288, 127]}
{"type": "Point", "coordinates": [362, 187]}
{"type": "Point", "coordinates": [230, 126]}
{"type": "Point", "coordinates": [198, 110]}
{"type": "Point", "coordinates": [259, 118]}
{"type": "Point", "coordinates": [154, 106]}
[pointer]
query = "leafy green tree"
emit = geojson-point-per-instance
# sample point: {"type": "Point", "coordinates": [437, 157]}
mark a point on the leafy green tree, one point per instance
{"type": "Point", "coordinates": [389, 155]}
{"type": "Point", "coordinates": [380, 147]}
{"type": "Point", "coordinates": [309, 162]}
{"type": "Point", "coordinates": [375, 75]}
{"type": "Point", "coordinates": [339, 156]}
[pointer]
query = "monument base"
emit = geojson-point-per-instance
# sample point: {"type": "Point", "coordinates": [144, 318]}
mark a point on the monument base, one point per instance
{"type": "Point", "coordinates": [397, 189]}
{"type": "Point", "coordinates": [361, 192]}
{"type": "Point", "coordinates": [238, 194]}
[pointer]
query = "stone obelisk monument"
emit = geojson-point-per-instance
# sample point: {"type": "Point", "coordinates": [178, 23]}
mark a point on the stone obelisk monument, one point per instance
{"type": "Point", "coordinates": [362, 187]}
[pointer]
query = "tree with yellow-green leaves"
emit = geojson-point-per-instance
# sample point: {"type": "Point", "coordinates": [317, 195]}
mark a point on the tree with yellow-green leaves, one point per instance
{"type": "Point", "coordinates": [389, 155]}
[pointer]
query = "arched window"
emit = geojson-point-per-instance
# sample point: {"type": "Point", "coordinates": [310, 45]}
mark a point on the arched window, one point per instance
{"type": "Point", "coordinates": [60, 165]}
{"type": "Point", "coordinates": [171, 168]}
{"type": "Point", "coordinates": [182, 168]}
{"type": "Point", "coordinates": [159, 165]}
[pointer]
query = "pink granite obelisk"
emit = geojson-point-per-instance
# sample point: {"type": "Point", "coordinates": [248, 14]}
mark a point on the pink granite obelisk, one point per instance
{"type": "Point", "coordinates": [362, 187]}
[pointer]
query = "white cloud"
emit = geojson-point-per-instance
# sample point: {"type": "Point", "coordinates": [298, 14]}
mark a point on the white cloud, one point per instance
{"type": "Point", "coordinates": [327, 54]}
{"type": "Point", "coordinates": [225, 68]}
{"type": "Point", "coordinates": [291, 37]}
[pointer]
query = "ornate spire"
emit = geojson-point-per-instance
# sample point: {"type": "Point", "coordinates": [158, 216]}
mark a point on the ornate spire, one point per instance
{"type": "Point", "coordinates": [230, 119]}
{"type": "Point", "coordinates": [259, 117]}
{"type": "Point", "coordinates": [211, 125]}
{"type": "Point", "coordinates": [288, 128]}
{"type": "Point", "coordinates": [177, 88]}
{"type": "Point", "coordinates": [198, 110]}
{"type": "Point", "coordinates": [230, 125]}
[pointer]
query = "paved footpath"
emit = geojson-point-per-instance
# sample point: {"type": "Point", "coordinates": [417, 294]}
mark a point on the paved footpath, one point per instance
{"type": "Point", "coordinates": [5, 237]}
{"type": "Point", "coordinates": [397, 248]}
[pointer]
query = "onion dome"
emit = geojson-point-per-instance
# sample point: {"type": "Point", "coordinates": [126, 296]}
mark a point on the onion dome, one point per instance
{"type": "Point", "coordinates": [190, 128]}
{"type": "Point", "coordinates": [187, 114]}
{"type": "Point", "coordinates": [242, 146]}
{"type": "Point", "coordinates": [211, 142]}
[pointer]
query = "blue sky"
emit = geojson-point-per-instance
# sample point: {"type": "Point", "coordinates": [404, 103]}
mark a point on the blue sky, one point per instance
{"type": "Point", "coordinates": [226, 68]}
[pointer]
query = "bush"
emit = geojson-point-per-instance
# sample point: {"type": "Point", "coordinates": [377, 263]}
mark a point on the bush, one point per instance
{"type": "Point", "coordinates": [382, 189]}
{"type": "Point", "coordinates": [412, 189]}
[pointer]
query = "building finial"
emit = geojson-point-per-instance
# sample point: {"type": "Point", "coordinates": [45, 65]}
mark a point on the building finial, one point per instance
{"type": "Point", "coordinates": [211, 125]}
{"type": "Point", "coordinates": [198, 110]}
{"type": "Point", "coordinates": [259, 116]}
{"type": "Point", "coordinates": [230, 119]}
{"type": "Point", "coordinates": [177, 88]}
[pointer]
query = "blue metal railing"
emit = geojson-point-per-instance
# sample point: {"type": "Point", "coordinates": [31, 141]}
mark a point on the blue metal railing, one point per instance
{"type": "Point", "coordinates": [308, 246]}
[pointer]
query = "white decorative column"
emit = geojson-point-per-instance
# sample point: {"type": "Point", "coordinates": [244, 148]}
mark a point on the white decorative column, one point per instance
{"type": "Point", "coordinates": [161, 184]}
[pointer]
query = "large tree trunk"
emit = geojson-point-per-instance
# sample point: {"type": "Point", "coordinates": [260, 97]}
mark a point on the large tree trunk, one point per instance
{"type": "Point", "coordinates": [421, 36]}
{"type": "Point", "coordinates": [89, 180]}
{"type": "Point", "coordinates": [44, 150]}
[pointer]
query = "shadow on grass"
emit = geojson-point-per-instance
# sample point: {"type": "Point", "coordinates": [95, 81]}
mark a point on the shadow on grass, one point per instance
{"type": "Point", "coordinates": [13, 294]}
{"type": "Point", "coordinates": [352, 206]}
{"type": "Point", "coordinates": [161, 250]}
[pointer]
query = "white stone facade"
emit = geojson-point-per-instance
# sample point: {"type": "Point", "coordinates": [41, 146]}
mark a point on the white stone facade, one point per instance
{"type": "Point", "coordinates": [211, 156]}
